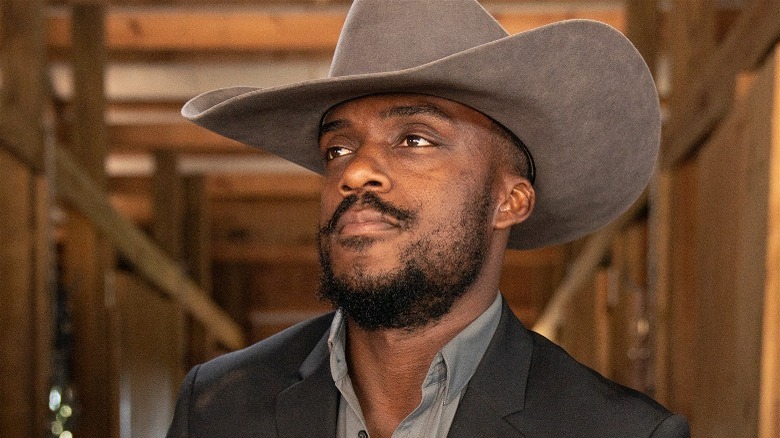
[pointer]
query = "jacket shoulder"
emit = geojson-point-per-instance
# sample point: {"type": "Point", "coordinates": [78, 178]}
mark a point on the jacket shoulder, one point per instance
{"type": "Point", "coordinates": [279, 354]}
{"type": "Point", "coordinates": [584, 400]}
{"type": "Point", "coordinates": [235, 394]}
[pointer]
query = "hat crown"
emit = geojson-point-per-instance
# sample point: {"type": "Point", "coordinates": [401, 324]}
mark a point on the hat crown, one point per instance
{"type": "Point", "coordinates": [391, 35]}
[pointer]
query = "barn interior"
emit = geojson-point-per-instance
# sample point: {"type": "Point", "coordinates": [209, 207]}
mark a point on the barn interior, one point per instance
{"type": "Point", "coordinates": [135, 244]}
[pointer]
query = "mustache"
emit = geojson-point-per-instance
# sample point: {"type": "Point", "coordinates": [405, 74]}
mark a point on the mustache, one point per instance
{"type": "Point", "coordinates": [368, 199]}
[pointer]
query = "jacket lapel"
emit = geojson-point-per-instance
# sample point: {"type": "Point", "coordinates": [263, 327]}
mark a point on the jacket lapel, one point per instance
{"type": "Point", "coordinates": [497, 390]}
{"type": "Point", "coordinates": [309, 407]}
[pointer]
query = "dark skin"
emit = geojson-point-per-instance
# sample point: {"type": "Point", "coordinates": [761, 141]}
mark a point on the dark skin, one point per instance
{"type": "Point", "coordinates": [428, 154]}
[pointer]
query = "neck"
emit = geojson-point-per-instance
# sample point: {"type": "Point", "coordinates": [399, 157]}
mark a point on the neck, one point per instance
{"type": "Point", "coordinates": [403, 356]}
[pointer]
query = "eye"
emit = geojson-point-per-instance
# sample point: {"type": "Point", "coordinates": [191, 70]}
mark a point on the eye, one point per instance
{"type": "Point", "coordinates": [334, 152]}
{"type": "Point", "coordinates": [415, 141]}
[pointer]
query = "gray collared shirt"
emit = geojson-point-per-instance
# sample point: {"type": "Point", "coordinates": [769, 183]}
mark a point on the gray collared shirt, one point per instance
{"type": "Point", "coordinates": [442, 389]}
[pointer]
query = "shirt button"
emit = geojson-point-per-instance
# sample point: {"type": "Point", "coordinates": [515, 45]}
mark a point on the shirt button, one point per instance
{"type": "Point", "coordinates": [362, 434]}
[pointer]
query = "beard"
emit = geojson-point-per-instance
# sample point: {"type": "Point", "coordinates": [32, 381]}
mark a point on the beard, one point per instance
{"type": "Point", "coordinates": [434, 272]}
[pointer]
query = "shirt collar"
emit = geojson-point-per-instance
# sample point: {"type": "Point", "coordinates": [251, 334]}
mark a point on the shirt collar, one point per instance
{"type": "Point", "coordinates": [461, 355]}
{"type": "Point", "coordinates": [464, 352]}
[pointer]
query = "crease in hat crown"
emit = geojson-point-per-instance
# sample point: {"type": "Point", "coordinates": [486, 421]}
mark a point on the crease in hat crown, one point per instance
{"type": "Point", "coordinates": [391, 35]}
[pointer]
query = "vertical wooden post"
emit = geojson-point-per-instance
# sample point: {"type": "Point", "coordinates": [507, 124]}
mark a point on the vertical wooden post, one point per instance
{"type": "Point", "coordinates": [636, 289]}
{"type": "Point", "coordinates": [168, 210]}
{"type": "Point", "coordinates": [197, 252]}
{"type": "Point", "coordinates": [769, 397]}
{"type": "Point", "coordinates": [642, 28]}
{"type": "Point", "coordinates": [602, 309]}
{"type": "Point", "coordinates": [691, 40]}
{"type": "Point", "coordinates": [168, 201]}
{"type": "Point", "coordinates": [25, 253]}
{"type": "Point", "coordinates": [25, 335]}
{"type": "Point", "coordinates": [87, 258]}
{"type": "Point", "coordinates": [182, 227]}
{"type": "Point", "coordinates": [732, 266]}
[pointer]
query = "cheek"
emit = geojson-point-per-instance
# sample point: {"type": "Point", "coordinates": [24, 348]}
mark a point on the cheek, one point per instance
{"type": "Point", "coordinates": [329, 200]}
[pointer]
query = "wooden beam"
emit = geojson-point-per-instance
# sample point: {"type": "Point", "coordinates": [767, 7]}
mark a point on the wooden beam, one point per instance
{"type": "Point", "coordinates": [86, 256]}
{"type": "Point", "coordinates": [168, 215]}
{"type": "Point", "coordinates": [750, 38]}
{"type": "Point", "coordinates": [179, 137]}
{"type": "Point", "coordinates": [629, 346]}
{"type": "Point", "coordinates": [79, 190]}
{"type": "Point", "coordinates": [732, 265]}
{"type": "Point", "coordinates": [769, 404]}
{"type": "Point", "coordinates": [691, 42]}
{"type": "Point", "coordinates": [642, 28]}
{"type": "Point", "coordinates": [25, 250]}
{"type": "Point", "coordinates": [23, 335]}
{"type": "Point", "coordinates": [582, 270]}
{"type": "Point", "coordinates": [209, 30]}
{"type": "Point", "coordinates": [196, 223]}
{"type": "Point", "coordinates": [16, 325]}
{"type": "Point", "coordinates": [191, 30]}
{"type": "Point", "coordinates": [151, 367]}
{"type": "Point", "coordinates": [23, 86]}
{"type": "Point", "coordinates": [690, 38]}
{"type": "Point", "coordinates": [298, 2]}
{"type": "Point", "coordinates": [168, 199]}
{"type": "Point", "coordinates": [238, 186]}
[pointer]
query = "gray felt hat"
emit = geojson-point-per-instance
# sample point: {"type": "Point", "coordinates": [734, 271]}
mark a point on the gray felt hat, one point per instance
{"type": "Point", "coordinates": [576, 92]}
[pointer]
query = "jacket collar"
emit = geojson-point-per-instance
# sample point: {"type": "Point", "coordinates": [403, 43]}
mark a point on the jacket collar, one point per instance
{"type": "Point", "coordinates": [496, 392]}
{"type": "Point", "coordinates": [309, 407]}
{"type": "Point", "coordinates": [490, 406]}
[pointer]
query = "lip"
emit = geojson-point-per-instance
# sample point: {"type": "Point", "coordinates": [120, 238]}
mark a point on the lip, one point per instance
{"type": "Point", "coordinates": [363, 222]}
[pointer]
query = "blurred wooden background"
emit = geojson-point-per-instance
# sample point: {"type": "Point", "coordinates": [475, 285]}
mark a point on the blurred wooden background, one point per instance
{"type": "Point", "coordinates": [134, 244]}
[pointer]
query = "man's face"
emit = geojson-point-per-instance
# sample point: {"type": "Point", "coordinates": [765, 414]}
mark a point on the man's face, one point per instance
{"type": "Point", "coordinates": [407, 206]}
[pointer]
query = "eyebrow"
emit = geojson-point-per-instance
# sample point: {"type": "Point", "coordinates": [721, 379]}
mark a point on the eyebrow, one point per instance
{"type": "Point", "coordinates": [413, 110]}
{"type": "Point", "coordinates": [396, 111]}
{"type": "Point", "coordinates": [333, 126]}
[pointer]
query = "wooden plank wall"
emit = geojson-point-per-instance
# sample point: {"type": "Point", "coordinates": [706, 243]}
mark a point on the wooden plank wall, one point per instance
{"type": "Point", "coordinates": [607, 324]}
{"type": "Point", "coordinates": [87, 257]}
{"type": "Point", "coordinates": [25, 326]}
{"type": "Point", "coordinates": [151, 364]}
{"type": "Point", "coordinates": [689, 39]}
{"type": "Point", "coordinates": [25, 254]}
{"type": "Point", "coordinates": [735, 170]}
{"type": "Point", "coordinates": [769, 409]}
{"type": "Point", "coordinates": [726, 325]}
{"type": "Point", "coordinates": [713, 298]}
{"type": "Point", "coordinates": [713, 216]}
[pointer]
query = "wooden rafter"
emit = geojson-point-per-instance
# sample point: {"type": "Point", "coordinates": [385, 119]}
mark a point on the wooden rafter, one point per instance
{"type": "Point", "coordinates": [267, 30]}
{"type": "Point", "coordinates": [25, 251]}
{"type": "Point", "coordinates": [290, 2]}
{"type": "Point", "coordinates": [78, 189]}
{"type": "Point", "coordinates": [179, 137]}
{"type": "Point", "coordinates": [582, 271]}
{"type": "Point", "coordinates": [757, 29]}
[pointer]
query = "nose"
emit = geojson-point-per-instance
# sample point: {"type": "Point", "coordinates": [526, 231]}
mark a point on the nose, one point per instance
{"type": "Point", "coordinates": [366, 171]}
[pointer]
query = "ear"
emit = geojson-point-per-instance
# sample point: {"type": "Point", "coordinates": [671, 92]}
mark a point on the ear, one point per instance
{"type": "Point", "coordinates": [516, 202]}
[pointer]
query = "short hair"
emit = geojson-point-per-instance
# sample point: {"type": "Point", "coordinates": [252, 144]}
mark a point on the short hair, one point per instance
{"type": "Point", "coordinates": [521, 160]}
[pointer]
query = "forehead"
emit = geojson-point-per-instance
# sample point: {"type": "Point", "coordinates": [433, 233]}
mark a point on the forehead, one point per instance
{"type": "Point", "coordinates": [388, 106]}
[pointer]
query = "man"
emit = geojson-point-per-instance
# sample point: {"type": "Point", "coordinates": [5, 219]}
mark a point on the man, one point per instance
{"type": "Point", "coordinates": [442, 141]}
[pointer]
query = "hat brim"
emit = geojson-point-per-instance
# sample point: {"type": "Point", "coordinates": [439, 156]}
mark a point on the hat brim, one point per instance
{"type": "Point", "coordinates": [576, 92]}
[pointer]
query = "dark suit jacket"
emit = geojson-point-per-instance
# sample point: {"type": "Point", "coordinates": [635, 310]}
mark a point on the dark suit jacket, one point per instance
{"type": "Point", "coordinates": [525, 386]}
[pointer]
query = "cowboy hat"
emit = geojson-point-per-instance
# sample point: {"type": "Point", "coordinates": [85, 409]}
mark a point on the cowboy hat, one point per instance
{"type": "Point", "coordinates": [576, 92]}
